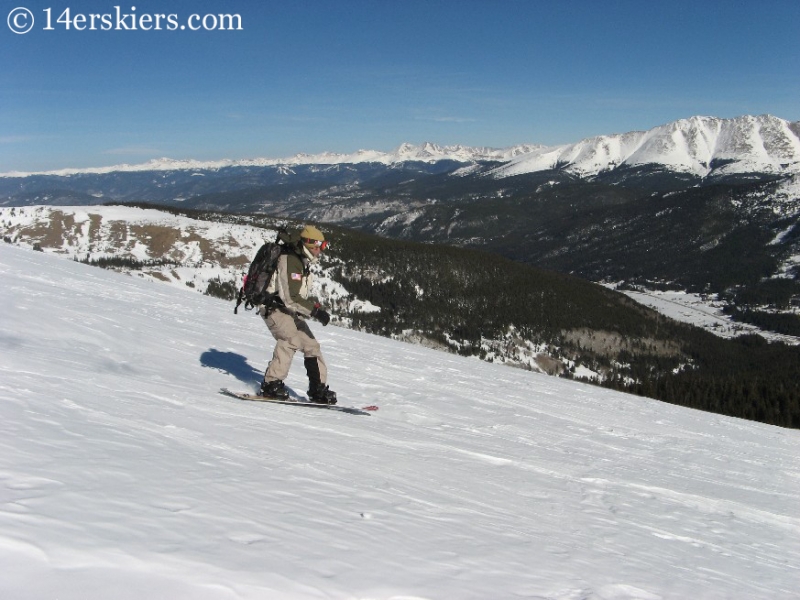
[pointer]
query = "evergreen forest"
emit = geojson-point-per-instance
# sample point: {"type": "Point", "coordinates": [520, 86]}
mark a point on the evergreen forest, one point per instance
{"type": "Point", "coordinates": [478, 303]}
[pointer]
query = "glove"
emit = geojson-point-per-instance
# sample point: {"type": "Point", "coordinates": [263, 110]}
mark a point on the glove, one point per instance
{"type": "Point", "coordinates": [320, 315]}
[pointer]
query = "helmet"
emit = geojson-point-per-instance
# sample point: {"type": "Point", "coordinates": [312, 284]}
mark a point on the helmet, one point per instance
{"type": "Point", "coordinates": [313, 237]}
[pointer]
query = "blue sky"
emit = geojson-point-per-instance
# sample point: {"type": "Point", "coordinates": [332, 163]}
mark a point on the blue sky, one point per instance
{"type": "Point", "coordinates": [313, 76]}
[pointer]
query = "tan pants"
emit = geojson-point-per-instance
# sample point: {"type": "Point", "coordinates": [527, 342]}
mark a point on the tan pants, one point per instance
{"type": "Point", "coordinates": [292, 334]}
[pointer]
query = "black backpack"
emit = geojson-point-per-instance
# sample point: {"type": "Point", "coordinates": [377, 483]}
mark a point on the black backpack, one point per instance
{"type": "Point", "coordinates": [254, 285]}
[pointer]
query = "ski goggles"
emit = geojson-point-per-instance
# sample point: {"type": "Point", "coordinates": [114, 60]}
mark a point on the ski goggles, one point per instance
{"type": "Point", "coordinates": [316, 243]}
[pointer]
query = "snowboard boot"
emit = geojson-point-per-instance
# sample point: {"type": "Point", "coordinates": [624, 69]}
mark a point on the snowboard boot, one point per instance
{"type": "Point", "coordinates": [317, 392]}
{"type": "Point", "coordinates": [321, 394]}
{"type": "Point", "coordinates": [274, 389]}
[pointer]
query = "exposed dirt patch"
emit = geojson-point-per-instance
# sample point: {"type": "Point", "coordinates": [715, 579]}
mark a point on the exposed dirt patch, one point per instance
{"type": "Point", "coordinates": [52, 234]}
{"type": "Point", "coordinates": [549, 365]}
{"type": "Point", "coordinates": [158, 239]}
{"type": "Point", "coordinates": [611, 343]}
{"type": "Point", "coordinates": [212, 253]}
{"type": "Point", "coordinates": [158, 275]}
{"type": "Point", "coordinates": [94, 233]}
{"type": "Point", "coordinates": [117, 233]}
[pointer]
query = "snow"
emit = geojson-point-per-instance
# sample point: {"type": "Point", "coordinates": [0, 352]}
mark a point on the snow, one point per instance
{"type": "Point", "coordinates": [362, 306]}
{"type": "Point", "coordinates": [745, 144]}
{"type": "Point", "coordinates": [763, 144]}
{"type": "Point", "coordinates": [786, 197]}
{"type": "Point", "coordinates": [701, 311]}
{"type": "Point", "coordinates": [111, 231]}
{"type": "Point", "coordinates": [124, 475]}
{"type": "Point", "coordinates": [426, 152]}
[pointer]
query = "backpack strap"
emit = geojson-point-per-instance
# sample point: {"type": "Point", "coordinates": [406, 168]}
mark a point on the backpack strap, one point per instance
{"type": "Point", "coordinates": [239, 299]}
{"type": "Point", "coordinates": [283, 239]}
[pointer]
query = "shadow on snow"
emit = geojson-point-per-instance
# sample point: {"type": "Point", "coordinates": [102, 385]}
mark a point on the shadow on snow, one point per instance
{"type": "Point", "coordinates": [231, 363]}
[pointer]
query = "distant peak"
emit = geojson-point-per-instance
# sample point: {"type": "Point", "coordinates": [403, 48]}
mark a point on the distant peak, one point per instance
{"type": "Point", "coordinates": [701, 146]}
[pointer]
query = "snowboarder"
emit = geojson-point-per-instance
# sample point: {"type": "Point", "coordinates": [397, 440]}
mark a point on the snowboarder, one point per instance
{"type": "Point", "coordinates": [286, 318]}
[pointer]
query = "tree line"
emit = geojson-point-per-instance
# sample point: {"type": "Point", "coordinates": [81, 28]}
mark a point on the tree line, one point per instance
{"type": "Point", "coordinates": [460, 298]}
{"type": "Point", "coordinates": [448, 293]}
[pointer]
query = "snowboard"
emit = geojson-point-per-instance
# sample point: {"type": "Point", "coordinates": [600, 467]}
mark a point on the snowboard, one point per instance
{"type": "Point", "coordinates": [297, 402]}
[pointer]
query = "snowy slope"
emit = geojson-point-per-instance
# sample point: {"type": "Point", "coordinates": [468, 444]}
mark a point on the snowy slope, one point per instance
{"type": "Point", "coordinates": [702, 311]}
{"type": "Point", "coordinates": [699, 146]}
{"type": "Point", "coordinates": [204, 250]}
{"type": "Point", "coordinates": [208, 250]}
{"type": "Point", "coordinates": [124, 475]}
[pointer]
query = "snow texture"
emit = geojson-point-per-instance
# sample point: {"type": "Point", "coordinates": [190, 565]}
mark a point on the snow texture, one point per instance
{"type": "Point", "coordinates": [701, 311]}
{"type": "Point", "coordinates": [426, 152]}
{"type": "Point", "coordinates": [125, 475]}
{"type": "Point", "coordinates": [699, 146]}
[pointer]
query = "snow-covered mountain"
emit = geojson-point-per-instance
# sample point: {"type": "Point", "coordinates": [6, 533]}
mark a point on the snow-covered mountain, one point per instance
{"type": "Point", "coordinates": [700, 146]}
{"type": "Point", "coordinates": [124, 474]}
{"type": "Point", "coordinates": [427, 152]}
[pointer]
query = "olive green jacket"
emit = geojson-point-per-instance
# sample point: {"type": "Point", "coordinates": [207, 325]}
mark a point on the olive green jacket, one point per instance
{"type": "Point", "coordinates": [292, 282]}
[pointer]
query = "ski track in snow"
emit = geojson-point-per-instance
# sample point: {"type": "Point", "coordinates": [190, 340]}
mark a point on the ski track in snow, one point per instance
{"type": "Point", "coordinates": [124, 474]}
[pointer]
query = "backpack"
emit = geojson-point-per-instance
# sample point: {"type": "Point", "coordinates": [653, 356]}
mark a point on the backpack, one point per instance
{"type": "Point", "coordinates": [255, 285]}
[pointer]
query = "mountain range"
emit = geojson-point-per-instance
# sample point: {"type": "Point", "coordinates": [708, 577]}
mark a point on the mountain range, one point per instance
{"type": "Point", "coordinates": [702, 204]}
{"type": "Point", "coordinates": [701, 146]}
{"type": "Point", "coordinates": [426, 152]}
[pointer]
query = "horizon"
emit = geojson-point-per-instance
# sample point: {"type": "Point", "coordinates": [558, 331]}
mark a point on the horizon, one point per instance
{"type": "Point", "coordinates": [312, 78]}
{"type": "Point", "coordinates": [329, 157]}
